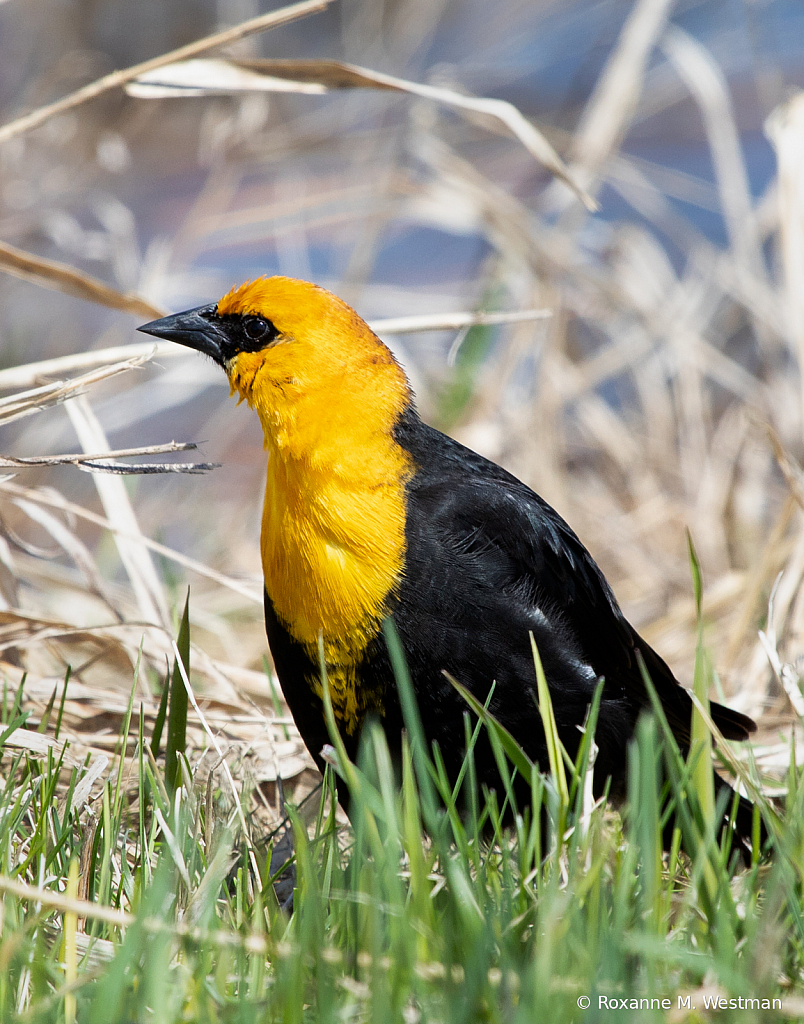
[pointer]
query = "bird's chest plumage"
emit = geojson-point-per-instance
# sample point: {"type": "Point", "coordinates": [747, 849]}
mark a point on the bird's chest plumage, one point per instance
{"type": "Point", "coordinates": [333, 550]}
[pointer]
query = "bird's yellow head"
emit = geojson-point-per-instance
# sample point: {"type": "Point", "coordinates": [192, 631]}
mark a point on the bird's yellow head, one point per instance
{"type": "Point", "coordinates": [299, 355]}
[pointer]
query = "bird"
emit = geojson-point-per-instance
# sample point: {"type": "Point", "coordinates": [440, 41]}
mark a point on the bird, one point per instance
{"type": "Point", "coordinates": [370, 513]}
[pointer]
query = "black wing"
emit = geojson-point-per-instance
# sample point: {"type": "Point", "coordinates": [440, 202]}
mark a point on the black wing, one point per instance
{"type": "Point", "coordinates": [494, 542]}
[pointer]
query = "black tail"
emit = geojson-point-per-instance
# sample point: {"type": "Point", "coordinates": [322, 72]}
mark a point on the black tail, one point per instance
{"type": "Point", "coordinates": [732, 724]}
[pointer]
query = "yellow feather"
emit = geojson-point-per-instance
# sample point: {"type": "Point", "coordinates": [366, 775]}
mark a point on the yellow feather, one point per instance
{"type": "Point", "coordinates": [328, 394]}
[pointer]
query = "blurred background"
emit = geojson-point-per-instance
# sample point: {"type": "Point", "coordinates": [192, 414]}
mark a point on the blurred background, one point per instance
{"type": "Point", "coordinates": [641, 408]}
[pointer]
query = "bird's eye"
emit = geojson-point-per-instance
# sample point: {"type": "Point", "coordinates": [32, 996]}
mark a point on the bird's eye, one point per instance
{"type": "Point", "coordinates": [256, 328]}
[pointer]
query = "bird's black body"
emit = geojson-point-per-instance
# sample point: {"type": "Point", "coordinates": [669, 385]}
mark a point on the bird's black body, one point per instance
{"type": "Point", "coordinates": [488, 562]}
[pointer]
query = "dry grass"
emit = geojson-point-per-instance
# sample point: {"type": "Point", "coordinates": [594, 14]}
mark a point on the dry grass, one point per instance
{"type": "Point", "coordinates": [638, 409]}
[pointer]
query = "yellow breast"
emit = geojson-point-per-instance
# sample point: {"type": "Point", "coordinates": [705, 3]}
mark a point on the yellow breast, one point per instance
{"type": "Point", "coordinates": [329, 394]}
{"type": "Point", "coordinates": [333, 550]}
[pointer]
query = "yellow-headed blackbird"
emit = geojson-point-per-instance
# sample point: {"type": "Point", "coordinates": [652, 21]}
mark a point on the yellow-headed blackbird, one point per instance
{"type": "Point", "coordinates": [370, 512]}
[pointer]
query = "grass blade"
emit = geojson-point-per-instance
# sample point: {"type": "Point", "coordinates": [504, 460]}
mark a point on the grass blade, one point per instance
{"type": "Point", "coordinates": [554, 747]}
{"type": "Point", "coordinates": [177, 714]}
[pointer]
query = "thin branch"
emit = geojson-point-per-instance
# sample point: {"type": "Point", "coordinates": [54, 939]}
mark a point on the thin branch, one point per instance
{"type": "Point", "coordinates": [454, 321]}
{"type": "Point", "coordinates": [12, 462]}
{"type": "Point", "coordinates": [146, 468]}
{"type": "Point", "coordinates": [117, 78]}
{"type": "Point", "coordinates": [64, 278]}
{"type": "Point", "coordinates": [26, 403]}
{"type": "Point", "coordinates": [339, 75]}
{"type": "Point", "coordinates": [30, 373]}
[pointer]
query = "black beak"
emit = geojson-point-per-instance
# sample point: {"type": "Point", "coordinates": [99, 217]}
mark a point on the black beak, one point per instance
{"type": "Point", "coordinates": [198, 328]}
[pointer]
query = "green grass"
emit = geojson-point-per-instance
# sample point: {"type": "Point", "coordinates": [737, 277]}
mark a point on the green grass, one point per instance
{"type": "Point", "coordinates": [427, 909]}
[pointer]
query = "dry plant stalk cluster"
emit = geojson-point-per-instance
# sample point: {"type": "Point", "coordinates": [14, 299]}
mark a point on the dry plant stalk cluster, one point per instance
{"type": "Point", "coordinates": [653, 398]}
